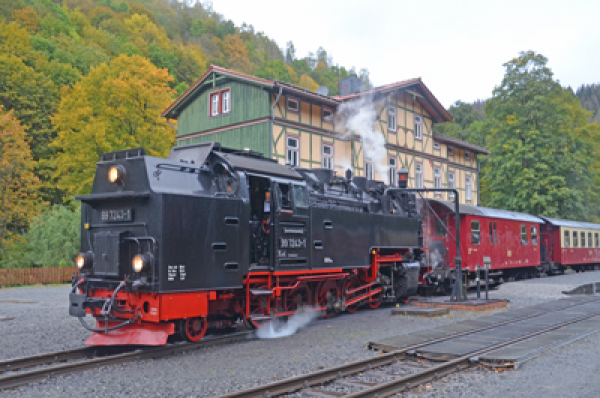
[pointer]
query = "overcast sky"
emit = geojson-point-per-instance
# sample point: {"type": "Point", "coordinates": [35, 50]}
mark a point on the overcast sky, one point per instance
{"type": "Point", "coordinates": [456, 47]}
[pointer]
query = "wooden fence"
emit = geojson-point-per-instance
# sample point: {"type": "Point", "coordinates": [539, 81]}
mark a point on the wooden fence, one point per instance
{"type": "Point", "coordinates": [34, 276]}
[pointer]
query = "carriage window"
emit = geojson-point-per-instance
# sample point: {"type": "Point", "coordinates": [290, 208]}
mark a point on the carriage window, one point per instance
{"type": "Point", "coordinates": [589, 239]}
{"type": "Point", "coordinates": [300, 196]}
{"type": "Point", "coordinates": [284, 199]}
{"type": "Point", "coordinates": [493, 234]}
{"type": "Point", "coordinates": [574, 238]}
{"type": "Point", "coordinates": [523, 235]}
{"type": "Point", "coordinates": [475, 233]}
{"type": "Point", "coordinates": [596, 240]}
{"type": "Point", "coordinates": [582, 239]}
{"type": "Point", "coordinates": [567, 239]}
{"type": "Point", "coordinates": [534, 236]}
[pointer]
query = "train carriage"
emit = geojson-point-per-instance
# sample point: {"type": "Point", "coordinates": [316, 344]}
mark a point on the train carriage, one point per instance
{"type": "Point", "coordinates": [510, 240]}
{"type": "Point", "coordinates": [570, 243]}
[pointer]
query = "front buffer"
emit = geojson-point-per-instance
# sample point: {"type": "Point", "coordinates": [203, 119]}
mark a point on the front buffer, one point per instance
{"type": "Point", "coordinates": [126, 317]}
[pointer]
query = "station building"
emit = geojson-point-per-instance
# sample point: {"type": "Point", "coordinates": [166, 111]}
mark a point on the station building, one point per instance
{"type": "Point", "coordinates": [299, 127]}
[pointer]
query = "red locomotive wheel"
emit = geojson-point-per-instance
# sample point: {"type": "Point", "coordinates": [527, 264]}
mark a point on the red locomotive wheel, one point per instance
{"type": "Point", "coordinates": [195, 328]}
{"type": "Point", "coordinates": [353, 282]}
{"type": "Point", "coordinates": [328, 294]}
{"type": "Point", "coordinates": [375, 301]}
{"type": "Point", "coordinates": [296, 298]}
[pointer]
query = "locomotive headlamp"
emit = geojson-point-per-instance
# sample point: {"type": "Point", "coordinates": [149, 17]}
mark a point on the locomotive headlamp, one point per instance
{"type": "Point", "coordinates": [402, 178]}
{"type": "Point", "coordinates": [116, 174]}
{"type": "Point", "coordinates": [84, 260]}
{"type": "Point", "coordinates": [141, 262]}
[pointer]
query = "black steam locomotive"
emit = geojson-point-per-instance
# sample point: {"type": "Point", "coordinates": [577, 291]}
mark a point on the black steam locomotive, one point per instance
{"type": "Point", "coordinates": [210, 236]}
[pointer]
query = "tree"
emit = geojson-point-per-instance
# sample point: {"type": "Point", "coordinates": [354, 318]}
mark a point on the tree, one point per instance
{"type": "Point", "coordinates": [542, 145]}
{"type": "Point", "coordinates": [464, 116]}
{"type": "Point", "coordinates": [274, 70]}
{"type": "Point", "coordinates": [236, 54]}
{"type": "Point", "coordinates": [115, 107]}
{"type": "Point", "coordinates": [52, 240]}
{"type": "Point", "coordinates": [18, 183]}
{"type": "Point", "coordinates": [290, 53]}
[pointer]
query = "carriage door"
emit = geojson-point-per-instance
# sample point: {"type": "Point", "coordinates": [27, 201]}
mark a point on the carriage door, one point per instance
{"type": "Point", "coordinates": [290, 225]}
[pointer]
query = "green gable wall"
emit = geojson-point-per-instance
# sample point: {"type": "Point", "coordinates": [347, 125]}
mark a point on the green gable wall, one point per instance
{"type": "Point", "coordinates": [248, 102]}
{"type": "Point", "coordinates": [256, 137]}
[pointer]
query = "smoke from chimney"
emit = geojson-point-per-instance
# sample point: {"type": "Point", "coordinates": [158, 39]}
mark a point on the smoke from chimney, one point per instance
{"type": "Point", "coordinates": [359, 117]}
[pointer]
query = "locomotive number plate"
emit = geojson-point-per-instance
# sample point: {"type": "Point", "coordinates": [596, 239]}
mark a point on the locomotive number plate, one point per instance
{"type": "Point", "coordinates": [293, 243]}
{"type": "Point", "coordinates": [117, 215]}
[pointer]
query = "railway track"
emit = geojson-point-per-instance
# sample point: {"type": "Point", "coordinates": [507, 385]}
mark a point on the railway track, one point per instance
{"type": "Point", "coordinates": [394, 372]}
{"type": "Point", "coordinates": [18, 372]}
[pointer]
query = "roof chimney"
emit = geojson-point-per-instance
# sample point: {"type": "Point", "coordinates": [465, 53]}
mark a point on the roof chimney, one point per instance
{"type": "Point", "coordinates": [350, 85]}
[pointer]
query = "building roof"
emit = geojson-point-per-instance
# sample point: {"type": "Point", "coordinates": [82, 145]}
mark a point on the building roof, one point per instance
{"type": "Point", "coordinates": [421, 94]}
{"type": "Point", "coordinates": [488, 212]}
{"type": "Point", "coordinates": [269, 83]}
{"type": "Point", "coordinates": [458, 143]}
{"type": "Point", "coordinates": [571, 224]}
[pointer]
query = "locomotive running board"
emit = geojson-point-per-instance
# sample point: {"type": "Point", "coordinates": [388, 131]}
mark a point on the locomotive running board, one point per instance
{"type": "Point", "coordinates": [135, 334]}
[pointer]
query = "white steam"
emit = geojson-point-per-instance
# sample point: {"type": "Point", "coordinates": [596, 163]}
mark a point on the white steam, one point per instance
{"type": "Point", "coordinates": [359, 117]}
{"type": "Point", "coordinates": [278, 328]}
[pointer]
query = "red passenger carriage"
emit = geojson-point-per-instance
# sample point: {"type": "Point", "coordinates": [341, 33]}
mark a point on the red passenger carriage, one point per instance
{"type": "Point", "coordinates": [510, 240]}
{"type": "Point", "coordinates": [572, 244]}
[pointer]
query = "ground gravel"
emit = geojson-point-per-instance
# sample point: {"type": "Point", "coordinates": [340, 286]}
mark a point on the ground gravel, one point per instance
{"type": "Point", "coordinates": [41, 324]}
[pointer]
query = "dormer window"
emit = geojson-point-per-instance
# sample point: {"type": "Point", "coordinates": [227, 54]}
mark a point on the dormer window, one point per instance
{"type": "Point", "coordinates": [327, 115]}
{"type": "Point", "coordinates": [293, 105]}
{"type": "Point", "coordinates": [220, 102]}
{"type": "Point", "coordinates": [467, 156]}
{"type": "Point", "coordinates": [450, 152]}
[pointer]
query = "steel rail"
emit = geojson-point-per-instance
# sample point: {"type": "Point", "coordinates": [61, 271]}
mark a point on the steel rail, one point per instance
{"type": "Point", "coordinates": [26, 377]}
{"type": "Point", "coordinates": [398, 385]}
{"type": "Point", "coordinates": [293, 384]}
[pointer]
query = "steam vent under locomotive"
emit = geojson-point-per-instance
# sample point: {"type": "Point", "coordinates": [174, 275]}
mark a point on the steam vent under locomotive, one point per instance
{"type": "Point", "coordinates": [211, 236]}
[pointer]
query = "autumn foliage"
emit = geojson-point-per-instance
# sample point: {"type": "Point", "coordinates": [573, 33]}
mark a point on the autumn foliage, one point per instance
{"type": "Point", "coordinates": [116, 106]}
{"type": "Point", "coordinates": [18, 184]}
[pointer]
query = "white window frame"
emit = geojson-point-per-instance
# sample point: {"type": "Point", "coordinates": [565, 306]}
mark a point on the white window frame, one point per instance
{"type": "Point", "coordinates": [215, 102]}
{"type": "Point", "coordinates": [451, 184]}
{"type": "Point", "coordinates": [291, 100]}
{"type": "Point", "coordinates": [437, 179]}
{"type": "Point", "coordinates": [468, 188]}
{"type": "Point", "coordinates": [419, 175]}
{"type": "Point", "coordinates": [418, 128]}
{"type": "Point", "coordinates": [392, 121]}
{"type": "Point", "coordinates": [369, 168]}
{"type": "Point", "coordinates": [392, 172]}
{"type": "Point", "coordinates": [226, 101]}
{"type": "Point", "coordinates": [436, 145]}
{"type": "Point", "coordinates": [327, 159]}
{"type": "Point", "coordinates": [292, 154]}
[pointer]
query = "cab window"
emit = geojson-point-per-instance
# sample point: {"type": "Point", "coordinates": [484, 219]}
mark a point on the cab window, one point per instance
{"type": "Point", "coordinates": [283, 197]}
{"type": "Point", "coordinates": [300, 196]}
{"type": "Point", "coordinates": [475, 233]}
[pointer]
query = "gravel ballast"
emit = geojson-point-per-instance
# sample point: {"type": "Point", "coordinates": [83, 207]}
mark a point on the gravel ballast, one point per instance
{"type": "Point", "coordinates": [41, 324]}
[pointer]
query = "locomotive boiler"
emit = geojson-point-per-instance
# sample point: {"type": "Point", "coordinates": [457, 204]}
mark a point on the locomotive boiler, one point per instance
{"type": "Point", "coordinates": [211, 236]}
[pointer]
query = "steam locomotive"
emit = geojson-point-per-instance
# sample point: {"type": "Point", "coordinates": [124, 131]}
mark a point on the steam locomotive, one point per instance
{"type": "Point", "coordinates": [211, 236]}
